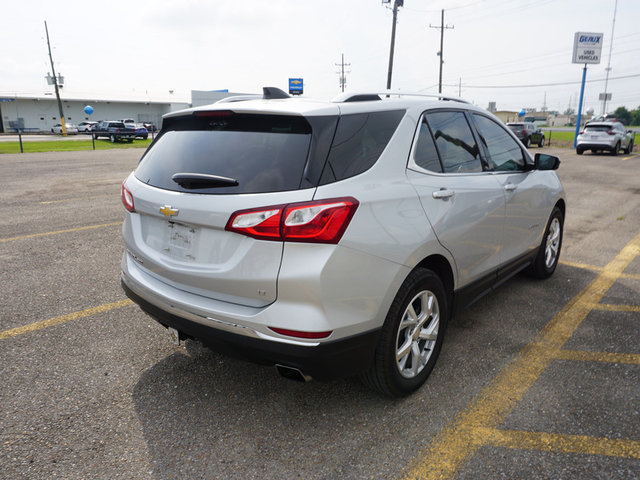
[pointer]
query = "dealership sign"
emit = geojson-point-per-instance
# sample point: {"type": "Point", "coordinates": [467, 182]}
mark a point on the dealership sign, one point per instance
{"type": "Point", "coordinates": [587, 47]}
{"type": "Point", "coordinates": [295, 86]}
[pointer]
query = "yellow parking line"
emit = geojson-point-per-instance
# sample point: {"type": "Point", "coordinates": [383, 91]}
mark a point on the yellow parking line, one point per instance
{"type": "Point", "coordinates": [593, 268]}
{"type": "Point", "coordinates": [616, 308]}
{"type": "Point", "coordinates": [14, 332]}
{"type": "Point", "coordinates": [583, 266]}
{"type": "Point", "coordinates": [472, 427]}
{"type": "Point", "coordinates": [70, 230]}
{"type": "Point", "coordinates": [552, 442]}
{"type": "Point", "coordinates": [584, 356]}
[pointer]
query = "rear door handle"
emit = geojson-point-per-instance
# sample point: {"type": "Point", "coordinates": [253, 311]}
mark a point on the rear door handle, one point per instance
{"type": "Point", "coordinates": [510, 187]}
{"type": "Point", "coordinates": [444, 193]}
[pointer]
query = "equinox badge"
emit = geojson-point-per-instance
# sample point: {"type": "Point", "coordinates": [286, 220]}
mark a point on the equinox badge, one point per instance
{"type": "Point", "coordinates": [168, 211]}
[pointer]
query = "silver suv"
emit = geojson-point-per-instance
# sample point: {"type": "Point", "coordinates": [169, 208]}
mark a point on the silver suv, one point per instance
{"type": "Point", "coordinates": [334, 238]}
{"type": "Point", "coordinates": [601, 136]}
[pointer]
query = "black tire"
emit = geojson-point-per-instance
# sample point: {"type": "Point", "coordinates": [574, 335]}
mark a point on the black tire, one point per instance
{"type": "Point", "coordinates": [616, 149]}
{"type": "Point", "coordinates": [579, 151]}
{"type": "Point", "coordinates": [527, 142]}
{"type": "Point", "coordinates": [629, 148]}
{"type": "Point", "coordinates": [549, 251]}
{"type": "Point", "coordinates": [144, 137]}
{"type": "Point", "coordinates": [541, 143]}
{"type": "Point", "coordinates": [112, 137]}
{"type": "Point", "coordinates": [421, 288]}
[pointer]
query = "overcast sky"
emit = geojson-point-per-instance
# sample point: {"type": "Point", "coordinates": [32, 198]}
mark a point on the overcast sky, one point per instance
{"type": "Point", "coordinates": [143, 49]}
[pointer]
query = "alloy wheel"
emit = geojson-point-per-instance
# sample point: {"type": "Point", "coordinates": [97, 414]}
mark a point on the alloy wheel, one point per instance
{"type": "Point", "coordinates": [417, 334]}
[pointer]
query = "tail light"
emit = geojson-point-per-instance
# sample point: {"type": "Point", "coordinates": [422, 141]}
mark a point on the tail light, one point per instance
{"type": "Point", "coordinates": [320, 221]}
{"type": "Point", "coordinates": [524, 132]}
{"type": "Point", "coordinates": [127, 198]}
{"type": "Point", "coordinates": [610, 132]}
{"type": "Point", "coordinates": [580, 132]}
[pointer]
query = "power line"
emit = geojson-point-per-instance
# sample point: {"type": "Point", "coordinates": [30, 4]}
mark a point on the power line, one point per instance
{"type": "Point", "coordinates": [557, 84]}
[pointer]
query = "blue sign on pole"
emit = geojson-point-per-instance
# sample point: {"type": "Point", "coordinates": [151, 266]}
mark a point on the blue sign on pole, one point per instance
{"type": "Point", "coordinates": [295, 86]}
{"type": "Point", "coordinates": [6, 99]}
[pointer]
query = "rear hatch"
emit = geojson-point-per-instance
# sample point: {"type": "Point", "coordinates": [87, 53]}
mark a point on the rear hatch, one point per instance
{"type": "Point", "coordinates": [203, 167]}
{"type": "Point", "coordinates": [518, 129]}
{"type": "Point", "coordinates": [599, 133]}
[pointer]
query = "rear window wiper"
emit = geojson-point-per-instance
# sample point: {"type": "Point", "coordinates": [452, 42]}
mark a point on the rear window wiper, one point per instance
{"type": "Point", "coordinates": [193, 181]}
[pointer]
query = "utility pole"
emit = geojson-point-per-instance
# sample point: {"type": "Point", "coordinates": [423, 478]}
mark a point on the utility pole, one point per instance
{"type": "Point", "coordinates": [396, 4]}
{"type": "Point", "coordinates": [343, 78]}
{"type": "Point", "coordinates": [608, 69]}
{"type": "Point", "coordinates": [442, 28]}
{"type": "Point", "coordinates": [55, 83]}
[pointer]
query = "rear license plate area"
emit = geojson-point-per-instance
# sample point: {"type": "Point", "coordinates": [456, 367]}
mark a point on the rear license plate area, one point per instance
{"type": "Point", "coordinates": [181, 240]}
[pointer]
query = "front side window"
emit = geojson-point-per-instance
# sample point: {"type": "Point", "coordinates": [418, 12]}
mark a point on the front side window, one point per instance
{"type": "Point", "coordinates": [454, 140]}
{"type": "Point", "coordinates": [504, 152]}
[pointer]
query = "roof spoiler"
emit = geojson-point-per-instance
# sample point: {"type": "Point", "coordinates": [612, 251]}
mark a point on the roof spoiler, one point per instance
{"type": "Point", "coordinates": [367, 96]}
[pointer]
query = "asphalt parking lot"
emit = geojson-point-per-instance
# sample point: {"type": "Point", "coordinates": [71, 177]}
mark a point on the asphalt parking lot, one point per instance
{"type": "Point", "coordinates": [540, 379]}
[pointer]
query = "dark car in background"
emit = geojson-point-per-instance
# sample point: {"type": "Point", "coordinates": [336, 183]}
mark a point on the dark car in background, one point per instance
{"type": "Point", "coordinates": [114, 131]}
{"type": "Point", "coordinates": [527, 133]}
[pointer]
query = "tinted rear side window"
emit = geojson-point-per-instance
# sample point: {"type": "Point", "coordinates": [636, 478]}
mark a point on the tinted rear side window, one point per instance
{"type": "Point", "coordinates": [358, 142]}
{"type": "Point", "coordinates": [263, 153]}
{"type": "Point", "coordinates": [425, 154]}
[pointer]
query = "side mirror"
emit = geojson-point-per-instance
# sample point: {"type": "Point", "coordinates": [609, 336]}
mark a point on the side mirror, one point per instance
{"type": "Point", "coordinates": [542, 161]}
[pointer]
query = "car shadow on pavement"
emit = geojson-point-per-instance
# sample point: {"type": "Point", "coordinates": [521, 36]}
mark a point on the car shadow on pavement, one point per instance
{"type": "Point", "coordinates": [204, 415]}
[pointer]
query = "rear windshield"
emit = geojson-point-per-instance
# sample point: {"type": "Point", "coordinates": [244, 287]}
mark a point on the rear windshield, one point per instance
{"type": "Point", "coordinates": [598, 128]}
{"type": "Point", "coordinates": [262, 153]}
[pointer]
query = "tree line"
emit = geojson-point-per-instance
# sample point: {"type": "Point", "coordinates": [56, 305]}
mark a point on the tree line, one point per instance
{"type": "Point", "coordinates": [628, 117]}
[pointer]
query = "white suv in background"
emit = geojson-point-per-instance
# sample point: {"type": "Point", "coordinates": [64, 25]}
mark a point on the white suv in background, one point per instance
{"type": "Point", "coordinates": [334, 238]}
{"type": "Point", "coordinates": [601, 136]}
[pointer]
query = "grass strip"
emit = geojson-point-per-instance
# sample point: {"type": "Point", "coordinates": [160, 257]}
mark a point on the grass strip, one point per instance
{"type": "Point", "coordinates": [68, 146]}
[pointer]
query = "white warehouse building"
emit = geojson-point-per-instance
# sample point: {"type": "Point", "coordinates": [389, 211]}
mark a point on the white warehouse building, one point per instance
{"type": "Point", "coordinates": [40, 113]}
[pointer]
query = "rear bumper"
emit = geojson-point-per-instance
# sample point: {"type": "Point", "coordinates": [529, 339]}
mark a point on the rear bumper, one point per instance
{"type": "Point", "coordinates": [324, 361]}
{"type": "Point", "coordinates": [595, 146]}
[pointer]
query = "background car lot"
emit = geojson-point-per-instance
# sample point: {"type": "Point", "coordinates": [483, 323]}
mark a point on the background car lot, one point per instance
{"type": "Point", "coordinates": [96, 391]}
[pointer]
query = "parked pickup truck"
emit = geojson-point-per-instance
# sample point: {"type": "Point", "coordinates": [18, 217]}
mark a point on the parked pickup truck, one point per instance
{"type": "Point", "coordinates": [115, 131]}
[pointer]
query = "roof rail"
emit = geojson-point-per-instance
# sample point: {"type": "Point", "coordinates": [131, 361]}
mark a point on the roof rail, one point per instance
{"type": "Point", "coordinates": [269, 93]}
{"type": "Point", "coordinates": [239, 98]}
{"type": "Point", "coordinates": [365, 96]}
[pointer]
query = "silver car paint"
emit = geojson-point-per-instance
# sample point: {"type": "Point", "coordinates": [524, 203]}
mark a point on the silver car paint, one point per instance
{"type": "Point", "coordinates": [348, 287]}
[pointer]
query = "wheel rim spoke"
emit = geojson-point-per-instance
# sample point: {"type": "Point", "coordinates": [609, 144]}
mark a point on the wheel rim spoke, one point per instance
{"type": "Point", "coordinates": [553, 240]}
{"type": "Point", "coordinates": [417, 334]}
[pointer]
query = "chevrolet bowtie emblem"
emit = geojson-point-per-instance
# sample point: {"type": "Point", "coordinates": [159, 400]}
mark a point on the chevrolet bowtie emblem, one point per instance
{"type": "Point", "coordinates": [168, 211]}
